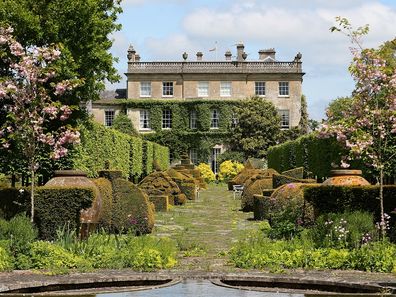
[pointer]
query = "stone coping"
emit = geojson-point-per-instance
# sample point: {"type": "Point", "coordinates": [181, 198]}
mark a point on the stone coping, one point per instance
{"type": "Point", "coordinates": [350, 279]}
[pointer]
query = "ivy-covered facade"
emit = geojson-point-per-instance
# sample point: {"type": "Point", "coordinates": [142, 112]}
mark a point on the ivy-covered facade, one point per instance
{"type": "Point", "coordinates": [188, 105]}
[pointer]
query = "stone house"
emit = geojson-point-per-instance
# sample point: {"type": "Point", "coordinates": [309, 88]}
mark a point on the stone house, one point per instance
{"type": "Point", "coordinates": [186, 81]}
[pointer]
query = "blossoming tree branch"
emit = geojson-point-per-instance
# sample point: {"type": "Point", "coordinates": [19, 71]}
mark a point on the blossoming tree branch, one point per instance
{"type": "Point", "coordinates": [30, 95]}
{"type": "Point", "coordinates": [368, 128]}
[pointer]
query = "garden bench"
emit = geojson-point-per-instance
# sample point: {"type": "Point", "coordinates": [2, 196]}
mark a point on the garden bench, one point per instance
{"type": "Point", "coordinates": [238, 189]}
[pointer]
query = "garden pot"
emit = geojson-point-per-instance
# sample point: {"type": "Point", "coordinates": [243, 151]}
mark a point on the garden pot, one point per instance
{"type": "Point", "coordinates": [346, 177]}
{"type": "Point", "coordinates": [89, 218]}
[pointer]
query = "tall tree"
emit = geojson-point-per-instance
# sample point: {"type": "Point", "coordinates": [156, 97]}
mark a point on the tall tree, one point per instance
{"type": "Point", "coordinates": [34, 117]}
{"type": "Point", "coordinates": [368, 127]}
{"type": "Point", "coordinates": [81, 27]}
{"type": "Point", "coordinates": [338, 108]}
{"type": "Point", "coordinates": [258, 127]}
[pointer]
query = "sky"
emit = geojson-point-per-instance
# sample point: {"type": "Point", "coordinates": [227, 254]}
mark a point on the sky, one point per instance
{"type": "Point", "coordinates": [164, 29]}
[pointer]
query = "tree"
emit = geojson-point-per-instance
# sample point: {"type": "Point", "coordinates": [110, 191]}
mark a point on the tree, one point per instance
{"type": "Point", "coordinates": [258, 127]}
{"type": "Point", "coordinates": [368, 127]}
{"type": "Point", "coordinates": [82, 28]}
{"type": "Point", "coordinates": [303, 124]}
{"type": "Point", "coordinates": [124, 124]}
{"type": "Point", "coordinates": [338, 108]}
{"type": "Point", "coordinates": [34, 117]}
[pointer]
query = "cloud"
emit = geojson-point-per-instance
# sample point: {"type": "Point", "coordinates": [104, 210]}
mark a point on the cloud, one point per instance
{"type": "Point", "coordinates": [125, 3]}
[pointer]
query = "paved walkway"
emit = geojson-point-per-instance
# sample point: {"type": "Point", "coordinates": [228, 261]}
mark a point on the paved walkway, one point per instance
{"type": "Point", "coordinates": [205, 229]}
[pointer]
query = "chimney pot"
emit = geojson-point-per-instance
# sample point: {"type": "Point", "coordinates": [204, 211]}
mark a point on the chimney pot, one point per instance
{"type": "Point", "coordinates": [240, 51]}
{"type": "Point", "coordinates": [131, 54]}
{"type": "Point", "coordinates": [199, 56]}
{"type": "Point", "coordinates": [228, 55]}
{"type": "Point", "coordinates": [264, 54]}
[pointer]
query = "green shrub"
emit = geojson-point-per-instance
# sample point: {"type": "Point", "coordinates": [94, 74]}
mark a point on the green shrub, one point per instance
{"type": "Point", "coordinates": [19, 232]}
{"type": "Point", "coordinates": [256, 186]}
{"type": "Point", "coordinates": [132, 209]}
{"type": "Point", "coordinates": [148, 157]}
{"type": "Point", "coordinates": [46, 255]}
{"type": "Point", "coordinates": [124, 124]}
{"type": "Point", "coordinates": [161, 155]}
{"type": "Point", "coordinates": [13, 201]}
{"type": "Point", "coordinates": [136, 157]}
{"type": "Point", "coordinates": [106, 191]}
{"type": "Point", "coordinates": [57, 206]}
{"type": "Point", "coordinates": [343, 230]}
{"type": "Point", "coordinates": [6, 262]}
{"type": "Point", "coordinates": [206, 172]}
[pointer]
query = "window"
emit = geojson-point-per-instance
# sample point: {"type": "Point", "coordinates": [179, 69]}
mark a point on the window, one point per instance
{"type": "Point", "coordinates": [194, 155]}
{"type": "Point", "coordinates": [234, 120]}
{"type": "Point", "coordinates": [214, 119]}
{"type": "Point", "coordinates": [144, 120]}
{"type": "Point", "coordinates": [167, 88]}
{"type": "Point", "coordinates": [193, 119]}
{"type": "Point", "coordinates": [145, 89]}
{"type": "Point", "coordinates": [260, 88]}
{"type": "Point", "coordinates": [109, 118]}
{"type": "Point", "coordinates": [225, 89]}
{"type": "Point", "coordinates": [284, 115]}
{"type": "Point", "coordinates": [283, 88]}
{"type": "Point", "coordinates": [203, 89]}
{"type": "Point", "coordinates": [166, 119]}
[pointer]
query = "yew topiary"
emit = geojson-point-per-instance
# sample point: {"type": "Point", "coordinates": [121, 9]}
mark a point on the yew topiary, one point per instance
{"type": "Point", "coordinates": [256, 187]}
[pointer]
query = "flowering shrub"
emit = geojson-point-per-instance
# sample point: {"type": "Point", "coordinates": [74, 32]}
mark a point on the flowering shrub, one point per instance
{"type": "Point", "coordinates": [229, 169]}
{"type": "Point", "coordinates": [206, 172]}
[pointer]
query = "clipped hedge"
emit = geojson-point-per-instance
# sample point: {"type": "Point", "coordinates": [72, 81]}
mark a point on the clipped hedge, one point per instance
{"type": "Point", "coordinates": [161, 155]}
{"type": "Point", "coordinates": [57, 206]}
{"type": "Point", "coordinates": [13, 201]}
{"type": "Point", "coordinates": [335, 199]}
{"type": "Point", "coordinates": [148, 157]}
{"type": "Point", "coordinates": [106, 191]}
{"type": "Point", "coordinates": [132, 209]}
{"type": "Point", "coordinates": [103, 147]}
{"type": "Point", "coordinates": [308, 151]}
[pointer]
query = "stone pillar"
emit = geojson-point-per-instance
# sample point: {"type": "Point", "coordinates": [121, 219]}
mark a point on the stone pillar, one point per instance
{"type": "Point", "coordinates": [199, 56]}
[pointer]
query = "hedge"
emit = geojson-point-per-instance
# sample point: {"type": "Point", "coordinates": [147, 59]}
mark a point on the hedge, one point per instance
{"type": "Point", "coordinates": [327, 199]}
{"type": "Point", "coordinates": [308, 151]}
{"type": "Point", "coordinates": [56, 207]}
{"type": "Point", "coordinates": [161, 155]}
{"type": "Point", "coordinates": [102, 147]}
{"type": "Point", "coordinates": [106, 191]}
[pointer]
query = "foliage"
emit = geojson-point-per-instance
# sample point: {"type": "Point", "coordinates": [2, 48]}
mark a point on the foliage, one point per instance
{"type": "Point", "coordinates": [83, 28]}
{"type": "Point", "coordinates": [33, 115]}
{"type": "Point", "coordinates": [161, 155]}
{"type": "Point", "coordinates": [229, 169]}
{"type": "Point", "coordinates": [181, 137]}
{"type": "Point", "coordinates": [368, 128]}
{"type": "Point", "coordinates": [124, 251]}
{"type": "Point", "coordinates": [148, 157]}
{"type": "Point", "coordinates": [57, 206]}
{"type": "Point", "coordinates": [5, 260]}
{"type": "Point", "coordinates": [132, 209]}
{"type": "Point", "coordinates": [106, 192]}
{"type": "Point", "coordinates": [136, 157]}
{"type": "Point", "coordinates": [303, 123]}
{"type": "Point", "coordinates": [307, 151]}
{"type": "Point", "coordinates": [258, 127]}
{"type": "Point", "coordinates": [338, 108]}
{"type": "Point", "coordinates": [232, 156]}
{"type": "Point", "coordinates": [13, 201]}
{"type": "Point", "coordinates": [206, 172]}
{"type": "Point", "coordinates": [259, 252]}
{"type": "Point", "coordinates": [18, 233]}
{"type": "Point", "coordinates": [327, 199]}
{"type": "Point", "coordinates": [124, 124]}
{"type": "Point", "coordinates": [344, 230]}
{"type": "Point", "coordinates": [99, 146]}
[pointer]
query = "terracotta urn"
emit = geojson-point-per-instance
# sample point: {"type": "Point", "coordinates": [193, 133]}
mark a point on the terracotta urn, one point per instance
{"type": "Point", "coordinates": [346, 177]}
{"type": "Point", "coordinates": [77, 178]}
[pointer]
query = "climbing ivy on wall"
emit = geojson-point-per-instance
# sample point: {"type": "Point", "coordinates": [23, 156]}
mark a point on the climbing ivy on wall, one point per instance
{"type": "Point", "coordinates": [181, 138]}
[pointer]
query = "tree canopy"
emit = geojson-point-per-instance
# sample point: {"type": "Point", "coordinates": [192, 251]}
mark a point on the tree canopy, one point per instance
{"type": "Point", "coordinates": [258, 127]}
{"type": "Point", "coordinates": [82, 28]}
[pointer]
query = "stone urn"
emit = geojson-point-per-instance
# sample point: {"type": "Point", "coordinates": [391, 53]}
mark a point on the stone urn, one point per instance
{"type": "Point", "coordinates": [90, 217]}
{"type": "Point", "coordinates": [346, 177]}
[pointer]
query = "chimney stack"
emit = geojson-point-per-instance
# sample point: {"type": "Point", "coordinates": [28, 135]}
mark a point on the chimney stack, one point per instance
{"type": "Point", "coordinates": [131, 54]}
{"type": "Point", "coordinates": [240, 51]}
{"type": "Point", "coordinates": [137, 58]}
{"type": "Point", "coordinates": [267, 53]}
{"type": "Point", "coordinates": [199, 56]}
{"type": "Point", "coordinates": [228, 55]}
